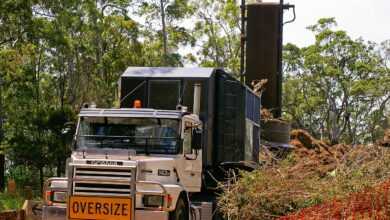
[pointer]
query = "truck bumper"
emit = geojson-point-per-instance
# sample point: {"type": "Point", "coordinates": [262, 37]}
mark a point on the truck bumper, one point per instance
{"type": "Point", "coordinates": [53, 213]}
{"type": "Point", "coordinates": [155, 215]}
{"type": "Point", "coordinates": [59, 213]}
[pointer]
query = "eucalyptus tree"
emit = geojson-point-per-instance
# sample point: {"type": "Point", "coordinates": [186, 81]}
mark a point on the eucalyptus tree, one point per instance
{"type": "Point", "coordinates": [338, 88]}
{"type": "Point", "coordinates": [218, 29]}
{"type": "Point", "coordinates": [166, 29]}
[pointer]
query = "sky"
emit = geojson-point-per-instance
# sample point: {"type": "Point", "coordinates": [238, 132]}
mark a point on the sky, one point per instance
{"type": "Point", "coordinates": [369, 19]}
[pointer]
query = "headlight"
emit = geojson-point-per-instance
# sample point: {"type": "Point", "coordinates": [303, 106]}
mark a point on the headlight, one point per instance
{"type": "Point", "coordinates": [55, 197]}
{"type": "Point", "coordinates": [59, 197]}
{"type": "Point", "coordinates": [153, 201]}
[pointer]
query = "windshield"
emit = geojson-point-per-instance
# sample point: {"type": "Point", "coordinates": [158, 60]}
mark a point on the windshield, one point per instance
{"type": "Point", "coordinates": [144, 135]}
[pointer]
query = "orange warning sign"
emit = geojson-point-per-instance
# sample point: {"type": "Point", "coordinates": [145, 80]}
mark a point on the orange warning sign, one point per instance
{"type": "Point", "coordinates": [99, 208]}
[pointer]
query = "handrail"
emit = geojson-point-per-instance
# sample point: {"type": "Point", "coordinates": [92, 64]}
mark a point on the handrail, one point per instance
{"type": "Point", "coordinates": [164, 191]}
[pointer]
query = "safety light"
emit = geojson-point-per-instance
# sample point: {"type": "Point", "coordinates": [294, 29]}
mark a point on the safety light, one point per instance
{"type": "Point", "coordinates": [49, 198]}
{"type": "Point", "coordinates": [55, 197]}
{"type": "Point", "coordinates": [169, 200]}
{"type": "Point", "coordinates": [137, 103]}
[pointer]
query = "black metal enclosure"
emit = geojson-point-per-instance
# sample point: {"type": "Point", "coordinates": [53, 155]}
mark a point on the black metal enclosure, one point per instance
{"type": "Point", "coordinates": [230, 111]}
{"type": "Point", "coordinates": [264, 51]}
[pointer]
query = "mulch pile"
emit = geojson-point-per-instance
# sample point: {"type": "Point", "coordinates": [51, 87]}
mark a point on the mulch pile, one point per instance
{"type": "Point", "coordinates": [372, 203]}
{"type": "Point", "coordinates": [318, 157]}
{"type": "Point", "coordinates": [386, 139]}
{"type": "Point", "coordinates": [314, 156]}
{"type": "Point", "coordinates": [310, 156]}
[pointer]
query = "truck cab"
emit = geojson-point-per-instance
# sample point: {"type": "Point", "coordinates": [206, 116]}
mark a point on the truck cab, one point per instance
{"type": "Point", "coordinates": [141, 160]}
{"type": "Point", "coordinates": [161, 154]}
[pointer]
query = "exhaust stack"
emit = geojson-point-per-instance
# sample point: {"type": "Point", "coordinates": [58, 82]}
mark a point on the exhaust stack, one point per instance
{"type": "Point", "coordinates": [197, 94]}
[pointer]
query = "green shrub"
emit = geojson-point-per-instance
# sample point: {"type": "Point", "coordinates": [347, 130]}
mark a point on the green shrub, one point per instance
{"type": "Point", "coordinates": [10, 202]}
{"type": "Point", "coordinates": [24, 176]}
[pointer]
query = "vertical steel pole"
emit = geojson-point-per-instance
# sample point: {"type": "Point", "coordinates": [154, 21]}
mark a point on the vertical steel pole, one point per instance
{"type": "Point", "coordinates": [278, 112]}
{"type": "Point", "coordinates": [243, 40]}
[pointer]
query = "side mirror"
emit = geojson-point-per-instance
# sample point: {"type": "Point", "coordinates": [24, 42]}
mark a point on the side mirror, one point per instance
{"type": "Point", "coordinates": [196, 139]}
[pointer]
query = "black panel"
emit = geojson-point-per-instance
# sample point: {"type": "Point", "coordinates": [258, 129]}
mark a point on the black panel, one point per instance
{"type": "Point", "coordinates": [252, 107]}
{"type": "Point", "coordinates": [256, 143]}
{"type": "Point", "coordinates": [230, 121]}
{"type": "Point", "coordinates": [132, 89]}
{"type": "Point", "coordinates": [164, 94]}
{"type": "Point", "coordinates": [188, 95]}
{"type": "Point", "coordinates": [209, 127]}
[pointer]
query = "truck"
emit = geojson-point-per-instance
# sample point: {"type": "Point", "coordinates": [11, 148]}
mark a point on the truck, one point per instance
{"type": "Point", "coordinates": [177, 134]}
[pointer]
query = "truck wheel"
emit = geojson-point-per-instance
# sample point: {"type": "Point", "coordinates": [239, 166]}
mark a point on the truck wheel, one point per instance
{"type": "Point", "coordinates": [181, 211]}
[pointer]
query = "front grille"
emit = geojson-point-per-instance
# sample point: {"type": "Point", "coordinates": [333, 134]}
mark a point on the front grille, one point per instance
{"type": "Point", "coordinates": [106, 173]}
{"type": "Point", "coordinates": [102, 181]}
{"type": "Point", "coordinates": [99, 189]}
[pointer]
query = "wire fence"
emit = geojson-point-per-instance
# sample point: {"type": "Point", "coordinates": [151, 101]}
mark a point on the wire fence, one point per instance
{"type": "Point", "coordinates": [370, 204]}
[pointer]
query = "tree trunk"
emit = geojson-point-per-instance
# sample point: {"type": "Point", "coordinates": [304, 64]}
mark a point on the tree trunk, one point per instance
{"type": "Point", "coordinates": [164, 31]}
{"type": "Point", "coordinates": [41, 177]}
{"type": "Point", "coordinates": [2, 172]}
{"type": "Point", "coordinates": [59, 167]}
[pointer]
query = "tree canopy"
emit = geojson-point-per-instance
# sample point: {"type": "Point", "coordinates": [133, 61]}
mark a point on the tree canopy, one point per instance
{"type": "Point", "coordinates": [338, 88]}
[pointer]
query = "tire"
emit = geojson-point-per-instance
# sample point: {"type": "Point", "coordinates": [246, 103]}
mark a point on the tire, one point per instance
{"type": "Point", "coordinates": [181, 211]}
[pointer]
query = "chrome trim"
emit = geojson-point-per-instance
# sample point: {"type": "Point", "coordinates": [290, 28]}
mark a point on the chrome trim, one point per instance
{"type": "Point", "coordinates": [99, 181]}
{"type": "Point", "coordinates": [130, 113]}
{"type": "Point", "coordinates": [106, 178]}
{"type": "Point", "coordinates": [124, 167]}
{"type": "Point", "coordinates": [101, 194]}
{"type": "Point", "coordinates": [99, 189]}
{"type": "Point", "coordinates": [102, 173]}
